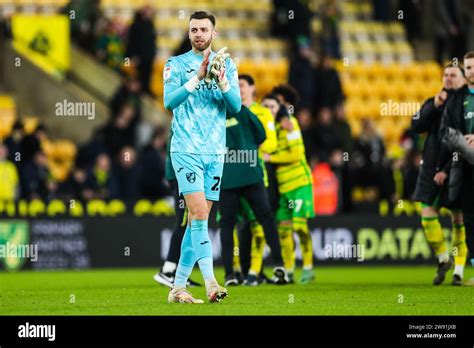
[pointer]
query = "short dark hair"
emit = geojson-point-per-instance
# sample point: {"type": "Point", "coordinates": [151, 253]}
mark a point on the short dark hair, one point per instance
{"type": "Point", "coordinates": [247, 78]}
{"type": "Point", "coordinates": [289, 94]}
{"type": "Point", "coordinates": [469, 54]}
{"type": "Point", "coordinates": [203, 15]}
{"type": "Point", "coordinates": [271, 96]}
{"type": "Point", "coordinates": [452, 65]}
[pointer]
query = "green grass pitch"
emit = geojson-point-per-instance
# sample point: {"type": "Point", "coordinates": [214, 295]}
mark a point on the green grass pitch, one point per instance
{"type": "Point", "coordinates": [357, 290]}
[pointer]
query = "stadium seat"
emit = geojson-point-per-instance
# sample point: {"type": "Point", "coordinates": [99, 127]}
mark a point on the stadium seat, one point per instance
{"type": "Point", "coordinates": [30, 123]}
{"type": "Point", "coordinates": [7, 115]}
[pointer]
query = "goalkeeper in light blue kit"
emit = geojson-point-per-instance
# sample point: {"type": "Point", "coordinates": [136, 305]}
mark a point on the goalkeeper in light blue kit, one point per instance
{"type": "Point", "coordinates": [199, 87]}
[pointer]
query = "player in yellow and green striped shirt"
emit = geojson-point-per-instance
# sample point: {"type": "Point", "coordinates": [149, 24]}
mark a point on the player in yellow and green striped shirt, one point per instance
{"type": "Point", "coordinates": [295, 187]}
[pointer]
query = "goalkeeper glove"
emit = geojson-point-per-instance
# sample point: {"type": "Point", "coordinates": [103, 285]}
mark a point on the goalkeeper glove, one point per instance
{"type": "Point", "coordinates": [217, 70]}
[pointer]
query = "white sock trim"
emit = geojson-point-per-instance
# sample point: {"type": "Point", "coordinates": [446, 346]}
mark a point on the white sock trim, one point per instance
{"type": "Point", "coordinates": [459, 270]}
{"type": "Point", "coordinates": [169, 267]}
{"type": "Point", "coordinates": [443, 257]}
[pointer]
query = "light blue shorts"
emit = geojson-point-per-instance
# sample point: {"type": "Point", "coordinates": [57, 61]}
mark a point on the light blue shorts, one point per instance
{"type": "Point", "coordinates": [198, 173]}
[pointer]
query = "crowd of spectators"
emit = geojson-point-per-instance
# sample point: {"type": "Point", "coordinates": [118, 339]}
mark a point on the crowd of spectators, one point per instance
{"type": "Point", "coordinates": [109, 166]}
{"type": "Point", "coordinates": [128, 174]}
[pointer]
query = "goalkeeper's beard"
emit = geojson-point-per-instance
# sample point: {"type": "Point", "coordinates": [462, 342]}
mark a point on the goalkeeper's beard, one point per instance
{"type": "Point", "coordinates": [203, 47]}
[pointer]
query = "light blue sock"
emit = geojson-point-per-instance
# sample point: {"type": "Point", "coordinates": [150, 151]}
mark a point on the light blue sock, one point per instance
{"type": "Point", "coordinates": [187, 260]}
{"type": "Point", "coordinates": [202, 248]}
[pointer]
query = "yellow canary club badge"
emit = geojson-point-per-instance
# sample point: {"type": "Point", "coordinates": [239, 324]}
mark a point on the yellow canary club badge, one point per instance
{"type": "Point", "coordinates": [45, 40]}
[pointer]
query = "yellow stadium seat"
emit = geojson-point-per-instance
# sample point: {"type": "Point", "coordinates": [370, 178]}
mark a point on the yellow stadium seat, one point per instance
{"type": "Point", "coordinates": [246, 67]}
{"type": "Point", "coordinates": [357, 71]}
{"type": "Point", "coordinates": [397, 89]}
{"type": "Point", "coordinates": [381, 89]}
{"type": "Point", "coordinates": [375, 71]}
{"type": "Point", "coordinates": [281, 69]}
{"type": "Point", "coordinates": [393, 71]}
{"type": "Point", "coordinates": [266, 84]}
{"type": "Point", "coordinates": [65, 150]}
{"type": "Point", "coordinates": [396, 28]}
{"type": "Point", "coordinates": [365, 91]}
{"type": "Point", "coordinates": [58, 171]}
{"type": "Point", "coordinates": [419, 89]}
{"type": "Point", "coordinates": [435, 87]}
{"type": "Point", "coordinates": [412, 72]}
{"type": "Point", "coordinates": [260, 69]}
{"type": "Point", "coordinates": [30, 124]}
{"type": "Point", "coordinates": [47, 147]}
{"type": "Point", "coordinates": [7, 115]}
{"type": "Point", "coordinates": [351, 89]}
{"type": "Point", "coordinates": [431, 71]}
{"type": "Point", "coordinates": [354, 108]}
{"type": "Point", "coordinates": [6, 102]}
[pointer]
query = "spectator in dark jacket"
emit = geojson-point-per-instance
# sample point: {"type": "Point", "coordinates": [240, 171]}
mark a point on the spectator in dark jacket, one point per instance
{"type": "Point", "coordinates": [5, 27]}
{"type": "Point", "coordinates": [101, 182]}
{"type": "Point", "coordinates": [13, 143]}
{"type": "Point", "coordinates": [119, 133]}
{"type": "Point", "coordinates": [88, 153]}
{"type": "Point", "coordinates": [301, 75]}
{"type": "Point", "coordinates": [153, 159]}
{"type": "Point", "coordinates": [324, 139]}
{"type": "Point", "coordinates": [301, 78]}
{"type": "Point", "coordinates": [291, 19]}
{"type": "Point", "coordinates": [331, 15]}
{"type": "Point", "coordinates": [73, 187]}
{"type": "Point", "coordinates": [412, 12]}
{"type": "Point", "coordinates": [141, 46]}
{"type": "Point", "coordinates": [127, 93]}
{"type": "Point", "coordinates": [31, 143]}
{"type": "Point", "coordinates": [37, 182]}
{"type": "Point", "coordinates": [369, 153]}
{"type": "Point", "coordinates": [86, 15]}
{"type": "Point", "coordinates": [128, 174]}
{"type": "Point", "coordinates": [343, 133]}
{"type": "Point", "coordinates": [343, 130]}
{"type": "Point", "coordinates": [328, 89]}
{"type": "Point", "coordinates": [452, 20]}
{"type": "Point", "coordinates": [381, 10]}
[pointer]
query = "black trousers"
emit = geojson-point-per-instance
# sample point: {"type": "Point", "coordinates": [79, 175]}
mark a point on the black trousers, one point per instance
{"type": "Point", "coordinates": [245, 247]}
{"type": "Point", "coordinates": [245, 234]}
{"type": "Point", "coordinates": [468, 207]}
{"type": "Point", "coordinates": [179, 227]}
{"type": "Point", "coordinates": [256, 196]}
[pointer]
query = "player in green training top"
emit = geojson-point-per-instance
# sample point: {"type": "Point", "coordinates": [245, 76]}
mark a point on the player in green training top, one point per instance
{"type": "Point", "coordinates": [250, 259]}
